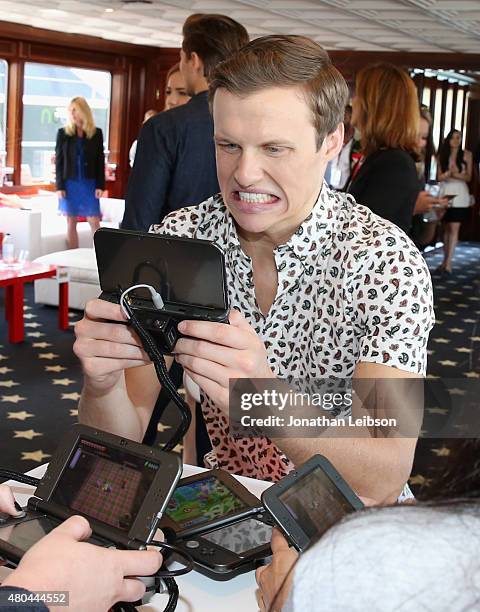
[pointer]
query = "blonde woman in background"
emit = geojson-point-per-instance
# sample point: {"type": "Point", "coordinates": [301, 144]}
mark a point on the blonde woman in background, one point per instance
{"type": "Point", "coordinates": [175, 95]}
{"type": "Point", "coordinates": [80, 169]}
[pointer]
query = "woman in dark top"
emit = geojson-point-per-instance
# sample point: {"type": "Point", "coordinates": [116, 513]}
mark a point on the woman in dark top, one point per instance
{"type": "Point", "coordinates": [80, 169]}
{"type": "Point", "coordinates": [385, 110]}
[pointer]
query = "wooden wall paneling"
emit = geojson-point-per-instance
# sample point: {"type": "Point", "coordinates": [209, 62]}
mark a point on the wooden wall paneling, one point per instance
{"type": "Point", "coordinates": [157, 69]}
{"type": "Point", "coordinates": [15, 117]}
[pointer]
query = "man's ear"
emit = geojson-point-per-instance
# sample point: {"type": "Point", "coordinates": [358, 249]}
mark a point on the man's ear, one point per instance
{"type": "Point", "coordinates": [333, 142]}
{"type": "Point", "coordinates": [197, 63]}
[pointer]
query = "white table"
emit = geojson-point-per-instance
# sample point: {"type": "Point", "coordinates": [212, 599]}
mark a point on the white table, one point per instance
{"type": "Point", "coordinates": [197, 593]}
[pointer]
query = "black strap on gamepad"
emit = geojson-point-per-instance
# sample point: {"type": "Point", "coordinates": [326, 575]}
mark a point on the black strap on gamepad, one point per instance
{"type": "Point", "coordinates": [163, 376]}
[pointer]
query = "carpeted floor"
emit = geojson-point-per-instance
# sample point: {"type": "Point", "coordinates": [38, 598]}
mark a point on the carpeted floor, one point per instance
{"type": "Point", "coordinates": [40, 380]}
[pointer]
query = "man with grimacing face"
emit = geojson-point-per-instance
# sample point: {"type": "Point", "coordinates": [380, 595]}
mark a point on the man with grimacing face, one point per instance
{"type": "Point", "coordinates": [319, 284]}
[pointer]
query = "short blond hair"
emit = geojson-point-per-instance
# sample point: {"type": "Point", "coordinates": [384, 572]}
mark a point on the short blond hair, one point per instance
{"type": "Point", "coordinates": [287, 61]}
{"type": "Point", "coordinates": [89, 126]}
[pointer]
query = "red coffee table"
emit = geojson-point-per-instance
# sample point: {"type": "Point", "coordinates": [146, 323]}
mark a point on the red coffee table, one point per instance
{"type": "Point", "coordinates": [14, 279]}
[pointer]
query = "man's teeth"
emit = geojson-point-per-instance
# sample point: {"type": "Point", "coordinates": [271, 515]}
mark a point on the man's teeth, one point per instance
{"type": "Point", "coordinates": [254, 197]}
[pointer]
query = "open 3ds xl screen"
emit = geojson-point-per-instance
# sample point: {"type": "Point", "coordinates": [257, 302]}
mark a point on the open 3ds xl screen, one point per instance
{"type": "Point", "coordinates": [106, 484]}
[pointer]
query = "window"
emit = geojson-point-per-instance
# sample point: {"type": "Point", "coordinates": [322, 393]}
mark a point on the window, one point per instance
{"type": "Point", "coordinates": [448, 112]}
{"type": "Point", "coordinates": [437, 117]}
{"type": "Point", "coordinates": [426, 96]}
{"type": "Point", "coordinates": [47, 92]}
{"type": "Point", "coordinates": [459, 110]}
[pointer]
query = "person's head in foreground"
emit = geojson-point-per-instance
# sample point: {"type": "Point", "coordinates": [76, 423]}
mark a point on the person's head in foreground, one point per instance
{"type": "Point", "coordinates": [373, 558]}
{"type": "Point", "coordinates": [278, 107]}
{"type": "Point", "coordinates": [80, 117]}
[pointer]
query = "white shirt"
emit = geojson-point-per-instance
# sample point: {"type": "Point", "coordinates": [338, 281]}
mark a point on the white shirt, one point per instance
{"type": "Point", "coordinates": [351, 287]}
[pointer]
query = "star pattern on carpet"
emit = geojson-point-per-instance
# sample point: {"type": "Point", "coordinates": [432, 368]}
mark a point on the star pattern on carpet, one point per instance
{"type": "Point", "coordinates": [47, 356]}
{"type": "Point", "coordinates": [71, 396]}
{"type": "Point", "coordinates": [56, 368]}
{"type": "Point", "coordinates": [448, 362]}
{"type": "Point", "coordinates": [14, 399]}
{"type": "Point", "coordinates": [420, 480]}
{"type": "Point", "coordinates": [5, 370]}
{"type": "Point", "coordinates": [437, 410]}
{"type": "Point", "coordinates": [41, 344]}
{"type": "Point", "coordinates": [63, 381]}
{"type": "Point", "coordinates": [36, 335]}
{"type": "Point", "coordinates": [33, 325]}
{"type": "Point", "coordinates": [39, 456]}
{"type": "Point", "coordinates": [8, 383]}
{"type": "Point", "coordinates": [73, 412]}
{"type": "Point", "coordinates": [20, 416]}
{"type": "Point", "coordinates": [161, 427]}
{"type": "Point", "coordinates": [441, 452]}
{"type": "Point", "coordinates": [28, 434]}
{"type": "Point", "coordinates": [3, 357]}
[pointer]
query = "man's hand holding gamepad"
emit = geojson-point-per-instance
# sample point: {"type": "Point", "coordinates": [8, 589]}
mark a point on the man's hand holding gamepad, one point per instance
{"type": "Point", "coordinates": [105, 345]}
{"type": "Point", "coordinates": [94, 577]}
{"type": "Point", "coordinates": [276, 576]}
{"type": "Point", "coordinates": [213, 353]}
{"type": "Point", "coordinates": [8, 505]}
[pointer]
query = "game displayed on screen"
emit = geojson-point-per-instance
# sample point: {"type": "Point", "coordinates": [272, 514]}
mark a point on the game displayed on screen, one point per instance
{"type": "Point", "coordinates": [202, 501]}
{"type": "Point", "coordinates": [315, 503]}
{"type": "Point", "coordinates": [105, 484]}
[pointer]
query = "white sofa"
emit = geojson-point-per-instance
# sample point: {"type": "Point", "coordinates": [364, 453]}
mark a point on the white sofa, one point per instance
{"type": "Point", "coordinates": [39, 229]}
{"type": "Point", "coordinates": [83, 283]}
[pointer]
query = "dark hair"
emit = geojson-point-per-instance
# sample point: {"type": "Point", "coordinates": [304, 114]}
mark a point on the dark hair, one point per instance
{"type": "Point", "coordinates": [213, 38]}
{"type": "Point", "coordinates": [444, 152]}
{"type": "Point", "coordinates": [287, 61]}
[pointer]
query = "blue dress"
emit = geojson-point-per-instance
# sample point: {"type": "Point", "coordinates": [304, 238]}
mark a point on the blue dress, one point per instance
{"type": "Point", "coordinates": [80, 200]}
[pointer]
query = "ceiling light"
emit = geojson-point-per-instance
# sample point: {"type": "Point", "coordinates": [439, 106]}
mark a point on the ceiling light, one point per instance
{"type": "Point", "coordinates": [109, 10]}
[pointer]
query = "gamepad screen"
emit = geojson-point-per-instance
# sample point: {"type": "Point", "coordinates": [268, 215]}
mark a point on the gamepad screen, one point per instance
{"type": "Point", "coordinates": [201, 501]}
{"type": "Point", "coordinates": [105, 484]}
{"type": "Point", "coordinates": [241, 537]}
{"type": "Point", "coordinates": [315, 503]}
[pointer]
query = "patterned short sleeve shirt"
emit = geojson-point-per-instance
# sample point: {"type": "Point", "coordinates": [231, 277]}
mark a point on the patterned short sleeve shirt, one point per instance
{"type": "Point", "coordinates": [352, 287]}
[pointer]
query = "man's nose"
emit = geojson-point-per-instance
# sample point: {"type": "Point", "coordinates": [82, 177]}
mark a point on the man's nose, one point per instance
{"type": "Point", "coordinates": [249, 170]}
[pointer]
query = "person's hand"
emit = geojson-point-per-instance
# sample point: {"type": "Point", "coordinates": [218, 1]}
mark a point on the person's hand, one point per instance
{"type": "Point", "coordinates": [7, 501]}
{"type": "Point", "coordinates": [98, 193]}
{"type": "Point", "coordinates": [61, 194]}
{"type": "Point", "coordinates": [213, 353]}
{"type": "Point", "coordinates": [276, 576]}
{"type": "Point", "coordinates": [424, 203]}
{"type": "Point", "coordinates": [106, 349]}
{"type": "Point", "coordinates": [95, 577]}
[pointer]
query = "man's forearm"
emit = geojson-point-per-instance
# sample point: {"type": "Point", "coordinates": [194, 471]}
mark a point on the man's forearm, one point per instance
{"type": "Point", "coordinates": [111, 411]}
{"type": "Point", "coordinates": [376, 468]}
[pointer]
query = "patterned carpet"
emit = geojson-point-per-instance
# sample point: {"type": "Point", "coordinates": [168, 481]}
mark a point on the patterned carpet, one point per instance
{"type": "Point", "coordinates": [40, 380]}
